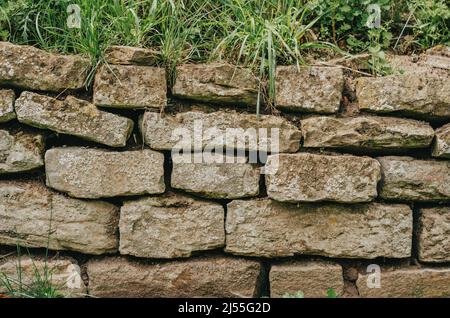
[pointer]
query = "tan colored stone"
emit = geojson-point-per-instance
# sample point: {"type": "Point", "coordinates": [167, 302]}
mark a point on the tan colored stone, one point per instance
{"type": "Point", "coordinates": [216, 83]}
{"type": "Point", "coordinates": [170, 226]}
{"type": "Point", "coordinates": [130, 86]}
{"type": "Point", "coordinates": [198, 277]}
{"type": "Point", "coordinates": [312, 278]}
{"type": "Point", "coordinates": [20, 151]}
{"type": "Point", "coordinates": [434, 234]}
{"type": "Point", "coordinates": [408, 283]}
{"type": "Point", "coordinates": [438, 57]}
{"type": "Point", "coordinates": [406, 178]}
{"type": "Point", "coordinates": [216, 180]}
{"type": "Point", "coordinates": [96, 173]}
{"type": "Point", "coordinates": [366, 132]}
{"type": "Point", "coordinates": [164, 132]}
{"type": "Point", "coordinates": [7, 98]}
{"type": "Point", "coordinates": [267, 228]}
{"type": "Point", "coordinates": [30, 68]}
{"type": "Point", "coordinates": [127, 55]}
{"type": "Point", "coordinates": [305, 177]}
{"type": "Point", "coordinates": [309, 89]}
{"type": "Point", "coordinates": [441, 146]}
{"type": "Point", "coordinates": [34, 216]}
{"type": "Point", "coordinates": [75, 117]}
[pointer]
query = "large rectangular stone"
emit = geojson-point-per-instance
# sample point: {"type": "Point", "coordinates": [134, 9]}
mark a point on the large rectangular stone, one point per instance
{"type": "Point", "coordinates": [7, 98]}
{"type": "Point", "coordinates": [309, 89]}
{"type": "Point", "coordinates": [127, 55]}
{"type": "Point", "coordinates": [194, 129]}
{"type": "Point", "coordinates": [216, 83]}
{"type": "Point", "coordinates": [434, 234]}
{"type": "Point", "coordinates": [96, 173]}
{"type": "Point", "coordinates": [170, 226]}
{"type": "Point", "coordinates": [31, 68]}
{"type": "Point", "coordinates": [269, 228]}
{"type": "Point", "coordinates": [198, 277]}
{"type": "Point", "coordinates": [407, 283]}
{"type": "Point", "coordinates": [409, 179]}
{"type": "Point", "coordinates": [366, 132]}
{"type": "Point", "coordinates": [34, 216]}
{"type": "Point", "coordinates": [305, 177]}
{"type": "Point", "coordinates": [130, 86]}
{"type": "Point", "coordinates": [75, 117]}
{"type": "Point", "coordinates": [441, 146]}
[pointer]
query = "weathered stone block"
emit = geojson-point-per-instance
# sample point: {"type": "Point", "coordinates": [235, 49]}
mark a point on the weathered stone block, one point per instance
{"type": "Point", "coordinates": [95, 173]}
{"type": "Point", "coordinates": [75, 117]}
{"type": "Point", "coordinates": [441, 146]}
{"type": "Point", "coordinates": [309, 178]}
{"type": "Point", "coordinates": [7, 98]}
{"type": "Point", "coordinates": [127, 55]}
{"type": "Point", "coordinates": [437, 57]}
{"type": "Point", "coordinates": [434, 234]}
{"type": "Point", "coordinates": [199, 277]}
{"type": "Point", "coordinates": [34, 216]}
{"type": "Point", "coordinates": [170, 226]}
{"type": "Point", "coordinates": [405, 178]}
{"type": "Point", "coordinates": [269, 228]}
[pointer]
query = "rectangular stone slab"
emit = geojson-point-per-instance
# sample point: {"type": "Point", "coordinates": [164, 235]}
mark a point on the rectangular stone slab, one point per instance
{"type": "Point", "coordinates": [170, 226]}
{"type": "Point", "coordinates": [30, 68]}
{"type": "Point", "coordinates": [267, 228]}
{"type": "Point", "coordinates": [441, 146]}
{"type": "Point", "coordinates": [220, 129]}
{"type": "Point", "coordinates": [305, 177]}
{"type": "Point", "coordinates": [434, 234]}
{"type": "Point", "coordinates": [127, 55]}
{"type": "Point", "coordinates": [75, 117]}
{"type": "Point", "coordinates": [7, 97]}
{"type": "Point", "coordinates": [96, 173]}
{"type": "Point", "coordinates": [29, 212]}
{"type": "Point", "coordinates": [198, 277]}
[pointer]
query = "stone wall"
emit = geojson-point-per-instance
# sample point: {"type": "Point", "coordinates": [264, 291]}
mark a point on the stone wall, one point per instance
{"type": "Point", "coordinates": [361, 176]}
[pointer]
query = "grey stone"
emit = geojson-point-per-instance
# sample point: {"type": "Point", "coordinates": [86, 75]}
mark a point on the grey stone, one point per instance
{"type": "Point", "coordinates": [441, 146]}
{"type": "Point", "coordinates": [7, 98]}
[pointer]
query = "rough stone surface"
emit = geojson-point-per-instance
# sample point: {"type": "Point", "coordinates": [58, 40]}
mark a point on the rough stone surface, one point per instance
{"type": "Point", "coordinates": [95, 173]}
{"type": "Point", "coordinates": [408, 283]}
{"type": "Point", "coordinates": [29, 211]}
{"type": "Point", "coordinates": [64, 272]}
{"type": "Point", "coordinates": [434, 234]}
{"type": "Point", "coordinates": [441, 146]}
{"type": "Point", "coordinates": [216, 180]}
{"type": "Point", "coordinates": [216, 83]}
{"type": "Point", "coordinates": [305, 177]}
{"type": "Point", "coordinates": [170, 226]}
{"type": "Point", "coordinates": [7, 98]}
{"type": "Point", "coordinates": [20, 151]}
{"type": "Point", "coordinates": [30, 68]}
{"type": "Point", "coordinates": [313, 278]}
{"type": "Point", "coordinates": [130, 86]}
{"type": "Point", "coordinates": [406, 178]}
{"type": "Point", "coordinates": [127, 55]}
{"type": "Point", "coordinates": [73, 116]}
{"type": "Point", "coordinates": [269, 228]}
{"type": "Point", "coordinates": [310, 89]}
{"type": "Point", "coordinates": [438, 57]}
{"type": "Point", "coordinates": [200, 277]}
{"type": "Point", "coordinates": [220, 129]}
{"type": "Point", "coordinates": [366, 132]}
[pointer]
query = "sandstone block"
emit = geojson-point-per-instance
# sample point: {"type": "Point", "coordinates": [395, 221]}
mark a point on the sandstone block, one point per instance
{"type": "Point", "coordinates": [434, 234]}
{"type": "Point", "coordinates": [7, 98]}
{"type": "Point", "coordinates": [441, 146]}
{"type": "Point", "coordinates": [127, 55]}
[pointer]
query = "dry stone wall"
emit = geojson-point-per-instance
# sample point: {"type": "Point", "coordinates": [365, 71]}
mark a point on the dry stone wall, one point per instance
{"type": "Point", "coordinates": [132, 188]}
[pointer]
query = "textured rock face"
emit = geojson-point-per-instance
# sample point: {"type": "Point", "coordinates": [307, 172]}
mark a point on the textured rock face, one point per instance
{"type": "Point", "coordinates": [216, 83]}
{"type": "Point", "coordinates": [310, 89]}
{"type": "Point", "coordinates": [20, 151]}
{"type": "Point", "coordinates": [434, 234]}
{"type": "Point", "coordinates": [408, 283]}
{"type": "Point", "coordinates": [441, 146]}
{"type": "Point", "coordinates": [216, 180]}
{"type": "Point", "coordinates": [366, 132]}
{"type": "Point", "coordinates": [203, 277]}
{"type": "Point", "coordinates": [95, 173]}
{"type": "Point", "coordinates": [75, 117]}
{"type": "Point", "coordinates": [29, 211]}
{"type": "Point", "coordinates": [130, 86]}
{"type": "Point", "coordinates": [127, 55]}
{"type": "Point", "coordinates": [30, 68]}
{"type": "Point", "coordinates": [170, 226]}
{"type": "Point", "coordinates": [308, 177]}
{"type": "Point", "coordinates": [438, 57]}
{"type": "Point", "coordinates": [405, 178]}
{"type": "Point", "coordinates": [312, 278]}
{"type": "Point", "coordinates": [7, 98]}
{"type": "Point", "coordinates": [65, 273]}
{"type": "Point", "coordinates": [268, 228]}
{"type": "Point", "coordinates": [220, 129]}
